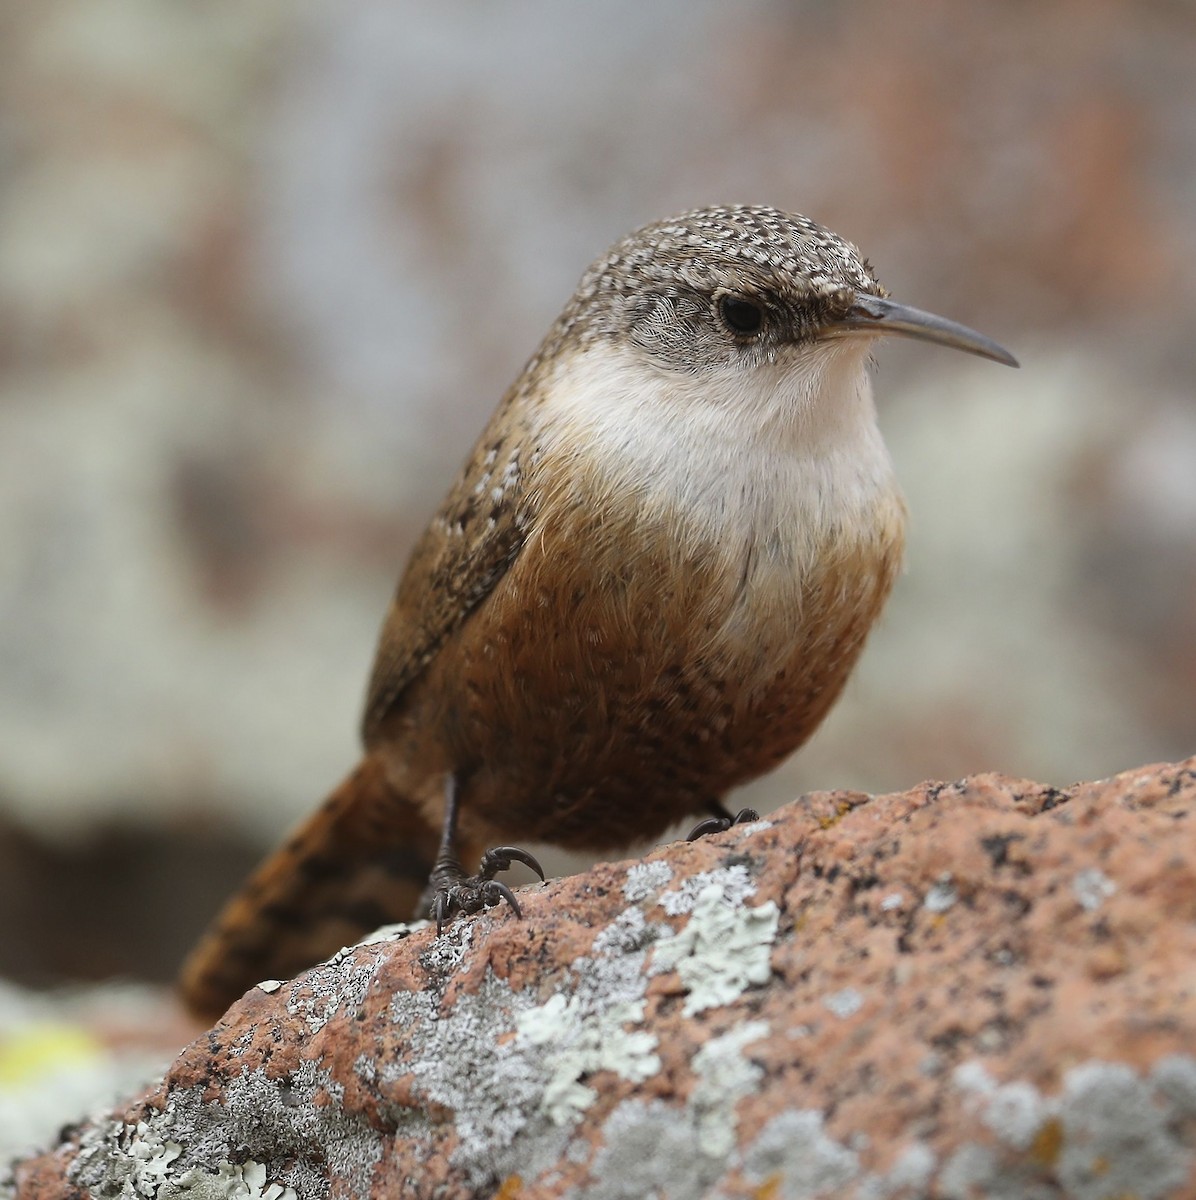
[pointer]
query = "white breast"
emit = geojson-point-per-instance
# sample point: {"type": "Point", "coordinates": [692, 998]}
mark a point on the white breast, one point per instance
{"type": "Point", "coordinates": [784, 459]}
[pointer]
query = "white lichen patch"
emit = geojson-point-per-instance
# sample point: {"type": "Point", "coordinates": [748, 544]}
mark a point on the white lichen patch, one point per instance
{"type": "Point", "coordinates": [230, 1181]}
{"type": "Point", "coordinates": [725, 1075]}
{"type": "Point", "coordinates": [340, 983]}
{"type": "Point", "coordinates": [795, 1150]}
{"type": "Point", "coordinates": [645, 879]}
{"type": "Point", "coordinates": [629, 931]}
{"type": "Point", "coordinates": [516, 1099]}
{"type": "Point", "coordinates": [394, 932]}
{"type": "Point", "coordinates": [894, 900]}
{"type": "Point", "coordinates": [1175, 1079]}
{"type": "Point", "coordinates": [1015, 1113]}
{"type": "Point", "coordinates": [199, 1149]}
{"type": "Point", "coordinates": [646, 1149]}
{"type": "Point", "coordinates": [584, 1042]}
{"type": "Point", "coordinates": [1091, 888]}
{"type": "Point", "coordinates": [941, 896]}
{"type": "Point", "coordinates": [150, 1157]}
{"type": "Point", "coordinates": [910, 1175]}
{"type": "Point", "coordinates": [723, 949]}
{"type": "Point", "coordinates": [844, 1003]}
{"type": "Point", "coordinates": [1115, 1133]}
{"type": "Point", "coordinates": [450, 949]}
{"type": "Point", "coordinates": [733, 882]}
{"type": "Point", "coordinates": [751, 828]}
{"type": "Point", "coordinates": [974, 1079]}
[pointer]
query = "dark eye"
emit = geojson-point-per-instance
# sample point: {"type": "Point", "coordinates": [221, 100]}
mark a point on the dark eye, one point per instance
{"type": "Point", "coordinates": [744, 317]}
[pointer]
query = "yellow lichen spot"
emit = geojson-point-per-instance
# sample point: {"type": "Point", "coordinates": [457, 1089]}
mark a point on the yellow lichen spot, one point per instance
{"type": "Point", "coordinates": [1047, 1144]}
{"type": "Point", "coordinates": [769, 1189]}
{"type": "Point", "coordinates": [512, 1188]}
{"type": "Point", "coordinates": [833, 819]}
{"type": "Point", "coordinates": [29, 1053]}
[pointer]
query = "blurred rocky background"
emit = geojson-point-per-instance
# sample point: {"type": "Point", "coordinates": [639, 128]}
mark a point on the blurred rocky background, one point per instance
{"type": "Point", "coordinates": [265, 269]}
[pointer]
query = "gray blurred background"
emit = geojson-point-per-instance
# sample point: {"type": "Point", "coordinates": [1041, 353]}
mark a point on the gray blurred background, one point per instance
{"type": "Point", "coordinates": [265, 269]}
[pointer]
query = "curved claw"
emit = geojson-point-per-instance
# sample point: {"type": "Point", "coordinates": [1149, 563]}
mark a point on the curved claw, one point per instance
{"type": "Point", "coordinates": [441, 910]}
{"type": "Point", "coordinates": [709, 825]}
{"type": "Point", "coordinates": [721, 824]}
{"type": "Point", "coordinates": [499, 858]}
{"type": "Point", "coordinates": [496, 891]}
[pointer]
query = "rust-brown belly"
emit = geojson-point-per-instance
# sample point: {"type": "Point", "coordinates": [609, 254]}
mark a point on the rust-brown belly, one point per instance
{"type": "Point", "coordinates": [591, 704]}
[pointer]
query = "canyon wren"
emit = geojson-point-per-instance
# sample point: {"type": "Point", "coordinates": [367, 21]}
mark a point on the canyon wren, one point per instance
{"type": "Point", "coordinates": [647, 585]}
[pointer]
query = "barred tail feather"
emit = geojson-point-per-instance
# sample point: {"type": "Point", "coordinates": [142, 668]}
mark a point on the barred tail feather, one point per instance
{"type": "Point", "coordinates": [362, 860]}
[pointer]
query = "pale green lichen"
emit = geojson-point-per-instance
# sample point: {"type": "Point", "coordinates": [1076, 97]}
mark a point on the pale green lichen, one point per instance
{"type": "Point", "coordinates": [143, 1164]}
{"type": "Point", "coordinates": [518, 1072]}
{"type": "Point", "coordinates": [230, 1181]}
{"type": "Point", "coordinates": [186, 1150]}
{"type": "Point", "coordinates": [722, 950]}
{"type": "Point", "coordinates": [725, 1076]}
{"type": "Point", "coordinates": [150, 1158]}
{"type": "Point", "coordinates": [515, 1100]}
{"type": "Point", "coordinates": [583, 1042]}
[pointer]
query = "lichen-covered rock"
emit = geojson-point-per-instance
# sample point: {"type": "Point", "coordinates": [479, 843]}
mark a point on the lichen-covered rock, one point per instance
{"type": "Point", "coordinates": [985, 988]}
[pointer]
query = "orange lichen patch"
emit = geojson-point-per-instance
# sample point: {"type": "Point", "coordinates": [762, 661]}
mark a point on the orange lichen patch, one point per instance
{"type": "Point", "coordinates": [1047, 1144]}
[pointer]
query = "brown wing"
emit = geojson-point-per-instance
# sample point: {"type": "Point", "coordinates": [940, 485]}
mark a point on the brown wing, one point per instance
{"type": "Point", "coordinates": [464, 552]}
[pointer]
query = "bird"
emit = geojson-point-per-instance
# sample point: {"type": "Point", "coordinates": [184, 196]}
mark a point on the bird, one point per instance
{"type": "Point", "coordinates": [647, 585]}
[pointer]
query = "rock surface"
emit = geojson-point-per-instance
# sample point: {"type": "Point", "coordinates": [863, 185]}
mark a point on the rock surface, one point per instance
{"type": "Point", "coordinates": [985, 988]}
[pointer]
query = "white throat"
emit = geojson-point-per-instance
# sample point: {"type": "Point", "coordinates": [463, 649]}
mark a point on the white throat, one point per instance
{"type": "Point", "coordinates": [786, 454]}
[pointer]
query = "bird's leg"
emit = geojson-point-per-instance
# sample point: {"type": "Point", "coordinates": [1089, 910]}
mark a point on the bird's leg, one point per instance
{"type": "Point", "coordinates": [452, 891]}
{"type": "Point", "coordinates": [721, 820]}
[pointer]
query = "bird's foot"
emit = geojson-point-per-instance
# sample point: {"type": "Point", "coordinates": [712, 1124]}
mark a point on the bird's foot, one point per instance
{"type": "Point", "coordinates": [721, 823]}
{"type": "Point", "coordinates": [455, 893]}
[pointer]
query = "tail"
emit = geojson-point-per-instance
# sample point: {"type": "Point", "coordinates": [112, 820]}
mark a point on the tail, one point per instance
{"type": "Point", "coordinates": [362, 860]}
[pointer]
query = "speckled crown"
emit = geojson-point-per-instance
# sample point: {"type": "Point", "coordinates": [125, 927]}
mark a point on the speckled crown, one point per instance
{"type": "Point", "coordinates": [736, 248]}
{"type": "Point", "coordinates": [702, 245]}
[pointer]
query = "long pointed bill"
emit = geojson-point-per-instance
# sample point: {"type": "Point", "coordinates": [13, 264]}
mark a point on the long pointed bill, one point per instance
{"type": "Point", "coordinates": [870, 316]}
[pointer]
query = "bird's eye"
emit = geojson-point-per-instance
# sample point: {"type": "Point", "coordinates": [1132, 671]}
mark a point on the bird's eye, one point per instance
{"type": "Point", "coordinates": [744, 317]}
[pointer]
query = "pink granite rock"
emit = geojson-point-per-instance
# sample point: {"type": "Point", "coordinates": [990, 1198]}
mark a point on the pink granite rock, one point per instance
{"type": "Point", "coordinates": [985, 988]}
